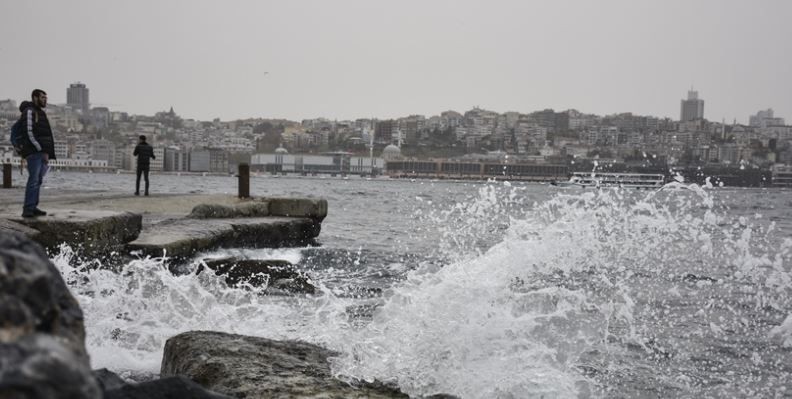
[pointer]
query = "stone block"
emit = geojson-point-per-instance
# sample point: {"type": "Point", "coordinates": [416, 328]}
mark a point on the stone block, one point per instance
{"type": "Point", "coordinates": [298, 207]}
{"type": "Point", "coordinates": [252, 367]}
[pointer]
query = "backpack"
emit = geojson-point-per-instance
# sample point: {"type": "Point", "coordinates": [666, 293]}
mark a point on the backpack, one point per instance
{"type": "Point", "coordinates": [19, 135]}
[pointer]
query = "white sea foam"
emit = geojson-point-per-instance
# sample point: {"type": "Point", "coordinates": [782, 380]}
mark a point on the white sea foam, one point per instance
{"type": "Point", "coordinates": [576, 296]}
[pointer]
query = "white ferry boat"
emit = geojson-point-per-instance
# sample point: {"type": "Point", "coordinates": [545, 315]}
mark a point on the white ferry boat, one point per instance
{"type": "Point", "coordinates": [625, 180]}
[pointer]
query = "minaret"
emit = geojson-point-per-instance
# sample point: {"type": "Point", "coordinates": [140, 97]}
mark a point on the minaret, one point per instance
{"type": "Point", "coordinates": [371, 150]}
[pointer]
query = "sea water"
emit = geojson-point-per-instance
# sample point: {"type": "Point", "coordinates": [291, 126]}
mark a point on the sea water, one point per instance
{"type": "Point", "coordinates": [488, 290]}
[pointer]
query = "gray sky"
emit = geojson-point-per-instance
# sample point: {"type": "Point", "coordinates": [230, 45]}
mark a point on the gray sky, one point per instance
{"type": "Point", "coordinates": [368, 58]}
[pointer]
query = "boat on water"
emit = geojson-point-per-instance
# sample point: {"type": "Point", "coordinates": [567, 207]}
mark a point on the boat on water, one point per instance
{"type": "Point", "coordinates": [624, 180]}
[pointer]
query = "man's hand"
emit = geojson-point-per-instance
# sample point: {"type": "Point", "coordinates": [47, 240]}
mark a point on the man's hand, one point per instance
{"type": "Point", "coordinates": [46, 157]}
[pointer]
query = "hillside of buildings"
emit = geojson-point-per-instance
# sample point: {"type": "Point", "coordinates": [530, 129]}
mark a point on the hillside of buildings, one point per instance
{"type": "Point", "coordinates": [97, 137]}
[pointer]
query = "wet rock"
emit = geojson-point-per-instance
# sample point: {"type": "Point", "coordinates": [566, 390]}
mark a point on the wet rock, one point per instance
{"type": "Point", "coordinates": [252, 367]}
{"type": "Point", "coordinates": [42, 336]}
{"type": "Point", "coordinates": [41, 366]}
{"type": "Point", "coordinates": [8, 226]}
{"type": "Point", "coordinates": [248, 210]}
{"type": "Point", "coordinates": [166, 388]}
{"type": "Point", "coordinates": [108, 380]}
{"type": "Point", "coordinates": [88, 232]}
{"type": "Point", "coordinates": [277, 275]}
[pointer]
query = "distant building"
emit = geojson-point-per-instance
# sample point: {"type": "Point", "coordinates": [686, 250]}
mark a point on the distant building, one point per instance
{"type": "Point", "coordinates": [692, 108]}
{"type": "Point", "coordinates": [176, 160]}
{"type": "Point", "coordinates": [77, 97]}
{"type": "Point", "coordinates": [199, 160]}
{"type": "Point", "coordinates": [764, 119]}
{"type": "Point", "coordinates": [209, 160]}
{"type": "Point", "coordinates": [8, 109]}
{"type": "Point", "coordinates": [383, 131]}
{"type": "Point", "coordinates": [103, 150]}
{"type": "Point", "coordinates": [100, 117]}
{"type": "Point", "coordinates": [157, 164]}
{"type": "Point", "coordinates": [61, 148]}
{"type": "Point", "coordinates": [391, 152]}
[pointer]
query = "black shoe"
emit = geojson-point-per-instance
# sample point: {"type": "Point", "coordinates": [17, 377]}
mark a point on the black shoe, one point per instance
{"type": "Point", "coordinates": [137, 193]}
{"type": "Point", "coordinates": [39, 212]}
{"type": "Point", "coordinates": [146, 194]}
{"type": "Point", "coordinates": [28, 214]}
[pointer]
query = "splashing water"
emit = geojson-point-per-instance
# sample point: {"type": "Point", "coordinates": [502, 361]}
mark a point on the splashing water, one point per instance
{"type": "Point", "coordinates": [664, 293]}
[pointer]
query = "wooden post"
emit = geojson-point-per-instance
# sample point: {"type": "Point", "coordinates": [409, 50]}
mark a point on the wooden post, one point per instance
{"type": "Point", "coordinates": [244, 180]}
{"type": "Point", "coordinates": [7, 172]}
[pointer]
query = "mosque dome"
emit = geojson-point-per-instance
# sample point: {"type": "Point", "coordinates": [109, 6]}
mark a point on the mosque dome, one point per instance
{"type": "Point", "coordinates": [391, 152]}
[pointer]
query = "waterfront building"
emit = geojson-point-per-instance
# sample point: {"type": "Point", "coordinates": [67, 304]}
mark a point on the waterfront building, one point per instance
{"type": "Point", "coordinates": [390, 152]}
{"type": "Point", "coordinates": [176, 160]}
{"type": "Point", "coordinates": [199, 160]}
{"type": "Point", "coordinates": [61, 148]}
{"type": "Point", "coordinates": [103, 150]}
{"type": "Point", "coordinates": [782, 176]}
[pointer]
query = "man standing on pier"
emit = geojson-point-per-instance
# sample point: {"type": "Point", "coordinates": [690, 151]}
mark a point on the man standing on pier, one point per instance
{"type": "Point", "coordinates": [144, 153]}
{"type": "Point", "coordinates": [38, 149]}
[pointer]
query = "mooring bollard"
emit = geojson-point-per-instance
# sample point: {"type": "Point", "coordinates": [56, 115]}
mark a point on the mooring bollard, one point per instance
{"type": "Point", "coordinates": [244, 180]}
{"type": "Point", "coordinates": [7, 171]}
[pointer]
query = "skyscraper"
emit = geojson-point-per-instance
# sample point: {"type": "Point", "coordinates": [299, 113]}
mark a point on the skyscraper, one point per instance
{"type": "Point", "coordinates": [77, 97]}
{"type": "Point", "coordinates": [692, 108]}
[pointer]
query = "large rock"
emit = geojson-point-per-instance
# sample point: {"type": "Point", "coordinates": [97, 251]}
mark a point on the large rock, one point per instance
{"type": "Point", "coordinates": [88, 232]}
{"type": "Point", "coordinates": [42, 336]}
{"type": "Point", "coordinates": [250, 367]}
{"type": "Point", "coordinates": [108, 380]}
{"type": "Point", "coordinates": [166, 388]}
{"type": "Point", "coordinates": [8, 226]}
{"type": "Point", "coordinates": [277, 276]}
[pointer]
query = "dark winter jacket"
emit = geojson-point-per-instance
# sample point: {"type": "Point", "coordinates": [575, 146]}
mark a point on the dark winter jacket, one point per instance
{"type": "Point", "coordinates": [144, 152]}
{"type": "Point", "coordinates": [38, 132]}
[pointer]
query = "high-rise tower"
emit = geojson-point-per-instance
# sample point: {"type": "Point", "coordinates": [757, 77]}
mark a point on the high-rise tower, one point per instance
{"type": "Point", "coordinates": [77, 97]}
{"type": "Point", "coordinates": [692, 108]}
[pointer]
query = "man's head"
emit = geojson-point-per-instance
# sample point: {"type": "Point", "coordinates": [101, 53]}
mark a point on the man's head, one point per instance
{"type": "Point", "coordinates": [39, 98]}
{"type": "Point", "coordinates": [142, 138]}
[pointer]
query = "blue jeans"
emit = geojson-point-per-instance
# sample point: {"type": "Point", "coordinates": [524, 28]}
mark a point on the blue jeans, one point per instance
{"type": "Point", "coordinates": [35, 167]}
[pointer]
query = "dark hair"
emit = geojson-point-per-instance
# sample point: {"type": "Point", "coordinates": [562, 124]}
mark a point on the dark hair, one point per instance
{"type": "Point", "coordinates": [37, 93]}
{"type": "Point", "coordinates": [142, 138]}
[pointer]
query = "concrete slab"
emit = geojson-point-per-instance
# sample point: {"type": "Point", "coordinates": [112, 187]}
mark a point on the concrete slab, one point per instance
{"type": "Point", "coordinates": [182, 238]}
{"type": "Point", "coordinates": [96, 222]}
{"type": "Point", "coordinates": [88, 232]}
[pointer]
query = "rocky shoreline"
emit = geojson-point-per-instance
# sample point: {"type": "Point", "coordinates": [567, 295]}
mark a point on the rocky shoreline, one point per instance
{"type": "Point", "coordinates": [43, 353]}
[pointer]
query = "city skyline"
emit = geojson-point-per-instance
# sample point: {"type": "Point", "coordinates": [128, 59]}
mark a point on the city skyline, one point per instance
{"type": "Point", "coordinates": [350, 59]}
{"type": "Point", "coordinates": [78, 92]}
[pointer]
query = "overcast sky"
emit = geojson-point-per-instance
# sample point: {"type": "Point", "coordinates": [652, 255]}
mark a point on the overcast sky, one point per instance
{"type": "Point", "coordinates": [367, 58]}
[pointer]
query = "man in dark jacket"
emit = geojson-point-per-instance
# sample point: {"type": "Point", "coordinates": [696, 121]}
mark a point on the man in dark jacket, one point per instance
{"type": "Point", "coordinates": [144, 153]}
{"type": "Point", "coordinates": [38, 149]}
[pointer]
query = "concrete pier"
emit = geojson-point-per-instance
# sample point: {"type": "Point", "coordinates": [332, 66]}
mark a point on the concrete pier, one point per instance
{"type": "Point", "coordinates": [175, 225]}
